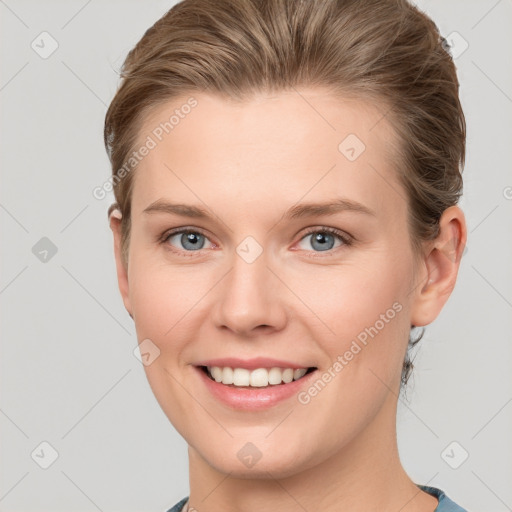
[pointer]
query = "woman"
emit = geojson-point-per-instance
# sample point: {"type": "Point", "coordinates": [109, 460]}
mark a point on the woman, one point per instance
{"type": "Point", "coordinates": [286, 175]}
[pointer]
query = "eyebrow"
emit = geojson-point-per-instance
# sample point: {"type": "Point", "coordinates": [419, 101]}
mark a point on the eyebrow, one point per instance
{"type": "Point", "coordinates": [295, 212]}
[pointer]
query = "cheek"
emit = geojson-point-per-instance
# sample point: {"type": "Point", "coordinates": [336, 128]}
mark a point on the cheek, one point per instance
{"type": "Point", "coordinates": [353, 295]}
{"type": "Point", "coordinates": [362, 310]}
{"type": "Point", "coordinates": [157, 298]}
{"type": "Point", "coordinates": [169, 302]}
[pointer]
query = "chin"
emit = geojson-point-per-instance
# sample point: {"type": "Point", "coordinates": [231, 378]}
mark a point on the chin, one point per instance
{"type": "Point", "coordinates": [245, 463]}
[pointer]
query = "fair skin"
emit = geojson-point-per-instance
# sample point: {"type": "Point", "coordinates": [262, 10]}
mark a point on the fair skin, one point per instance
{"type": "Point", "coordinates": [246, 164]}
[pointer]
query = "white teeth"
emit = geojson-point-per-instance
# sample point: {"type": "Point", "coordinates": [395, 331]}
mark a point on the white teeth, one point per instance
{"type": "Point", "coordinates": [300, 372]}
{"type": "Point", "coordinates": [216, 373]}
{"type": "Point", "coordinates": [241, 377]}
{"type": "Point", "coordinates": [275, 376]}
{"type": "Point", "coordinates": [259, 378]}
{"type": "Point", "coordinates": [227, 375]}
{"type": "Point", "coordinates": [287, 375]}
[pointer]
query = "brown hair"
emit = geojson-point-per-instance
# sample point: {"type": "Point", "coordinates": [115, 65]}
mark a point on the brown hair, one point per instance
{"type": "Point", "coordinates": [387, 51]}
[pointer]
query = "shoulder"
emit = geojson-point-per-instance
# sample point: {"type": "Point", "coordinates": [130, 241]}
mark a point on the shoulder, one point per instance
{"type": "Point", "coordinates": [445, 503]}
{"type": "Point", "coordinates": [179, 505]}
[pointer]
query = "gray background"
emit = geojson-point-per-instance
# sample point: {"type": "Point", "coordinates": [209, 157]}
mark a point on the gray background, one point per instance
{"type": "Point", "coordinates": [68, 374]}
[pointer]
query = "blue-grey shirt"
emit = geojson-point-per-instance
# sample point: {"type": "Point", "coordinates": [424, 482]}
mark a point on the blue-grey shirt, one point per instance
{"type": "Point", "coordinates": [445, 504]}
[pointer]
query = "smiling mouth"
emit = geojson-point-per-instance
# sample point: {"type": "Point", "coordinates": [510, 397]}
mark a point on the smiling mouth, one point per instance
{"type": "Point", "coordinates": [258, 378]}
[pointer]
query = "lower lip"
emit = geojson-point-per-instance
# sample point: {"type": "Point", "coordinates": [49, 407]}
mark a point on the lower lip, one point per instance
{"type": "Point", "coordinates": [251, 399]}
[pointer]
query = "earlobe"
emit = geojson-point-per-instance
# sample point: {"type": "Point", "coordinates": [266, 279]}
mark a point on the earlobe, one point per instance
{"type": "Point", "coordinates": [115, 218]}
{"type": "Point", "coordinates": [440, 266]}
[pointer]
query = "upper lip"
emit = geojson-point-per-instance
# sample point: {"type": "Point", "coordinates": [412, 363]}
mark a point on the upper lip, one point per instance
{"type": "Point", "coordinates": [251, 364]}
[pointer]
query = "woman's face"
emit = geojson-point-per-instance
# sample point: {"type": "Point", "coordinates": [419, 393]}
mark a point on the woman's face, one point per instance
{"type": "Point", "coordinates": [258, 276]}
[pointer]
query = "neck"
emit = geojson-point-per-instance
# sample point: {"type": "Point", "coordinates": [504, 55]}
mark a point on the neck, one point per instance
{"type": "Point", "coordinates": [365, 474]}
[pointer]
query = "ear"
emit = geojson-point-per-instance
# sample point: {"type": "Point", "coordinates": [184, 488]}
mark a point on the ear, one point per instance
{"type": "Point", "coordinates": [115, 217]}
{"type": "Point", "coordinates": [439, 267]}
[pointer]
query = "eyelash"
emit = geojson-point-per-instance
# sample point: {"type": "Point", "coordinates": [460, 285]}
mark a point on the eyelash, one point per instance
{"type": "Point", "coordinates": [345, 239]}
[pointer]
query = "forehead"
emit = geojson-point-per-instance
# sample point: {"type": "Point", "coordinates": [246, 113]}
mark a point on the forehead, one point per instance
{"type": "Point", "coordinates": [270, 149]}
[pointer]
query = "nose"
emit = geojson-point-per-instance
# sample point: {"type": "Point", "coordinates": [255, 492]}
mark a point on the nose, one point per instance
{"type": "Point", "coordinates": [251, 299]}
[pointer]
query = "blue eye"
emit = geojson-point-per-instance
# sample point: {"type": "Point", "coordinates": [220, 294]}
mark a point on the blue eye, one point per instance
{"type": "Point", "coordinates": [190, 240]}
{"type": "Point", "coordinates": [324, 239]}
